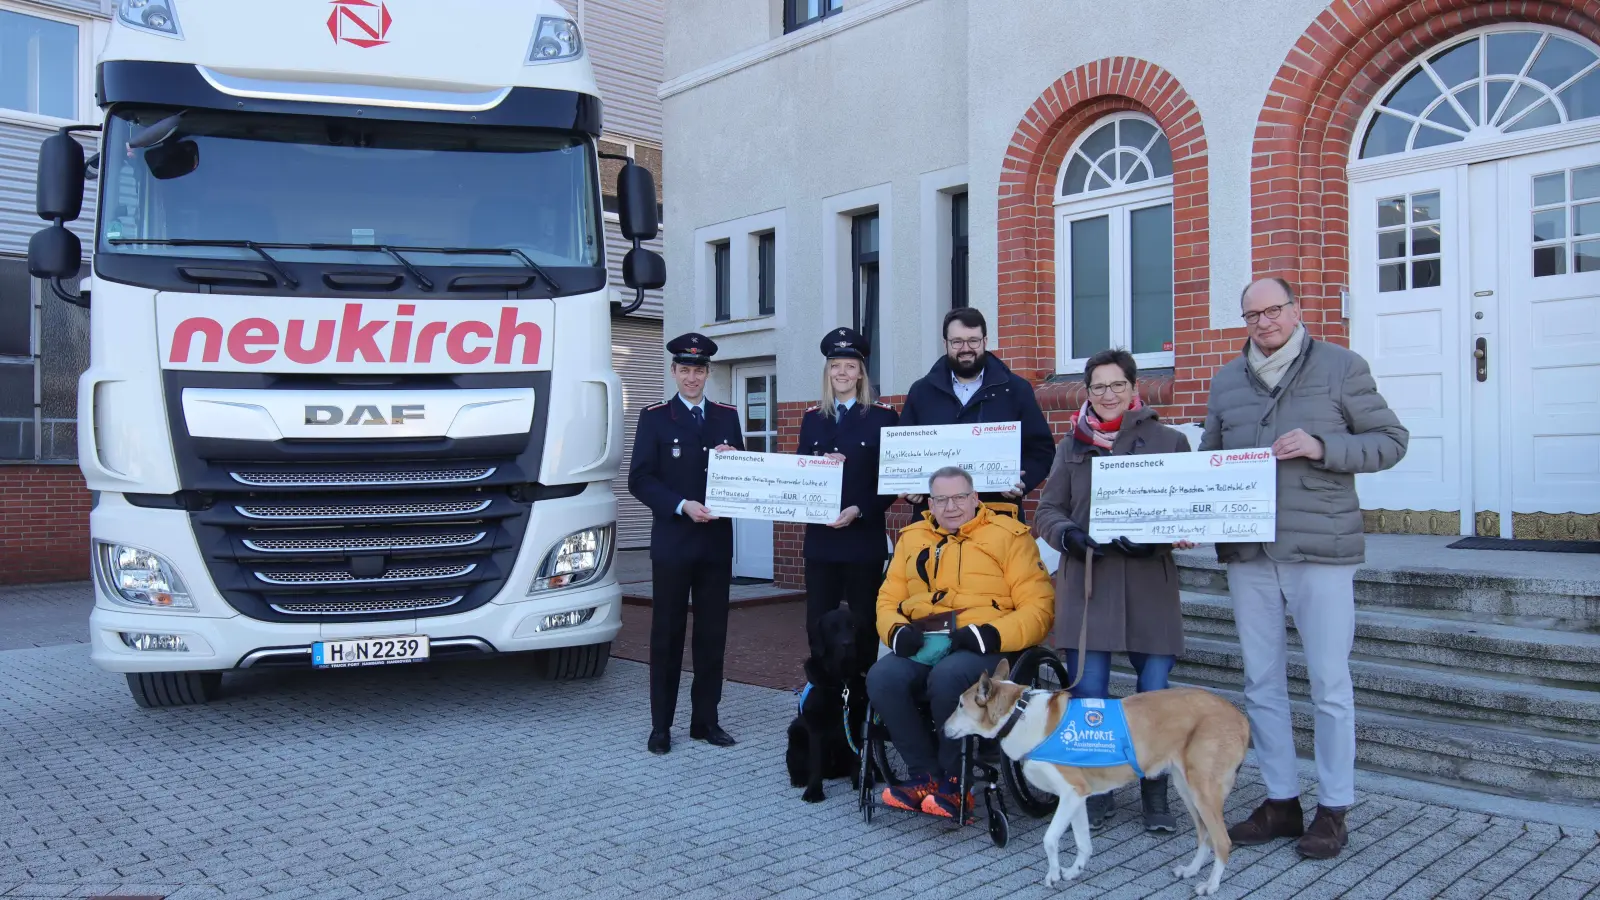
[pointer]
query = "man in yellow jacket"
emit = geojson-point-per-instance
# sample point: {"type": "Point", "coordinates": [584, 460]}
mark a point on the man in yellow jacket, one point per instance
{"type": "Point", "coordinates": [974, 563]}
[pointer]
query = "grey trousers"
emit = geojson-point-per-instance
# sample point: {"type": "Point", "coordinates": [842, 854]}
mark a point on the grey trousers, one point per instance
{"type": "Point", "coordinates": [1321, 598]}
{"type": "Point", "coordinates": [898, 688]}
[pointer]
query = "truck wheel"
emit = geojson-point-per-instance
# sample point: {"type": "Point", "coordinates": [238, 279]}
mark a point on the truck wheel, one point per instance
{"type": "Point", "coordinates": [152, 690]}
{"type": "Point", "coordinates": [567, 663]}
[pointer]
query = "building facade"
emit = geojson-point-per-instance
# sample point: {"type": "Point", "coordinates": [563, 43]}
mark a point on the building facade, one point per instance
{"type": "Point", "coordinates": [47, 77]}
{"type": "Point", "coordinates": [47, 53]}
{"type": "Point", "coordinates": [1088, 175]}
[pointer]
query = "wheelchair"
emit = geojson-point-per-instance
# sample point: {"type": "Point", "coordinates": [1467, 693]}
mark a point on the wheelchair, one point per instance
{"type": "Point", "coordinates": [982, 763]}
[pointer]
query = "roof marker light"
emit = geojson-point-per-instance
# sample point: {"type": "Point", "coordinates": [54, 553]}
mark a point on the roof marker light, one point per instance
{"type": "Point", "coordinates": [555, 40]}
{"type": "Point", "coordinates": [155, 16]}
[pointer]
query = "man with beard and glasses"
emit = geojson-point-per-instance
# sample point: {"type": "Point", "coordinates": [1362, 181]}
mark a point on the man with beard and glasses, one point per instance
{"type": "Point", "coordinates": [968, 385]}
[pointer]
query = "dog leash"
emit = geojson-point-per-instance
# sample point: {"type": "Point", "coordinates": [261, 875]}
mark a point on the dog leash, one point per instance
{"type": "Point", "coordinates": [848, 737]}
{"type": "Point", "coordinates": [1083, 628]}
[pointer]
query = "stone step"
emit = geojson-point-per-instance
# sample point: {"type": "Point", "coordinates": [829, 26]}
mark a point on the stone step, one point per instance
{"type": "Point", "coordinates": [1443, 695]}
{"type": "Point", "coordinates": [1471, 756]}
{"type": "Point", "coordinates": [1535, 655]}
{"type": "Point", "coordinates": [1415, 574]}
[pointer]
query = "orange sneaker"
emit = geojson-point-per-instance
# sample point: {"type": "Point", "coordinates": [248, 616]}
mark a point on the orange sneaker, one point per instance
{"type": "Point", "coordinates": [946, 802]}
{"type": "Point", "coordinates": [912, 795]}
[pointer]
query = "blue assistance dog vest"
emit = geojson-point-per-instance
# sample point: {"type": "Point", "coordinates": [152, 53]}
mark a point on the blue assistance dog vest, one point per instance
{"type": "Point", "coordinates": [1092, 735]}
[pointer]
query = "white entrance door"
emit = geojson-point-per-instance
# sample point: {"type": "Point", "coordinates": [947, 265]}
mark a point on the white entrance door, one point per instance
{"type": "Point", "coordinates": [1475, 296]}
{"type": "Point", "coordinates": [1551, 302]}
{"type": "Point", "coordinates": [1406, 319]}
{"type": "Point", "coordinates": [755, 391]}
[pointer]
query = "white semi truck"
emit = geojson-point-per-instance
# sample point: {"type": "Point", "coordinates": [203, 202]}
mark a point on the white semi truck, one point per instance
{"type": "Point", "coordinates": [350, 398]}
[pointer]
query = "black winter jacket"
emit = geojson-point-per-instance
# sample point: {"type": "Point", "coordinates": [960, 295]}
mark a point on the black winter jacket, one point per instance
{"type": "Point", "coordinates": [1004, 397]}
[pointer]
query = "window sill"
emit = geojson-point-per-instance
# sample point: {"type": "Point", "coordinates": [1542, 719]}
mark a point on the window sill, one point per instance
{"type": "Point", "coordinates": [35, 120]}
{"type": "Point", "coordinates": [740, 326]}
{"type": "Point", "coordinates": [1145, 361]}
{"type": "Point", "coordinates": [850, 17]}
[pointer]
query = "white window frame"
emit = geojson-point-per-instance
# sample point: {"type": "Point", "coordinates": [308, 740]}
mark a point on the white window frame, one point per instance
{"type": "Point", "coordinates": [742, 236]}
{"type": "Point", "coordinates": [1478, 147]}
{"type": "Point", "coordinates": [1116, 203]}
{"type": "Point", "coordinates": [88, 37]}
{"type": "Point", "coordinates": [935, 190]}
{"type": "Point", "coordinates": [838, 274]}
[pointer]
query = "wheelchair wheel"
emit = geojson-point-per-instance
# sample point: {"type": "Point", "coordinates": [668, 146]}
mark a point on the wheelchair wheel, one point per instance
{"type": "Point", "coordinates": [999, 826]}
{"type": "Point", "coordinates": [891, 768]}
{"type": "Point", "coordinates": [1038, 668]}
{"type": "Point", "coordinates": [865, 782]}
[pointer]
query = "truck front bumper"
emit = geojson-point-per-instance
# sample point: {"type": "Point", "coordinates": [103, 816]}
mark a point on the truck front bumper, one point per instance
{"type": "Point", "coordinates": [218, 637]}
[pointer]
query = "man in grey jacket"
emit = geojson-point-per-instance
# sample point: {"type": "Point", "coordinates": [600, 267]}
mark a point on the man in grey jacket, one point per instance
{"type": "Point", "coordinates": [1317, 406]}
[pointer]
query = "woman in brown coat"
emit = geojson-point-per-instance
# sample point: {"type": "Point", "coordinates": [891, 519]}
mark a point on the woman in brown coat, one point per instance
{"type": "Point", "coordinates": [1135, 607]}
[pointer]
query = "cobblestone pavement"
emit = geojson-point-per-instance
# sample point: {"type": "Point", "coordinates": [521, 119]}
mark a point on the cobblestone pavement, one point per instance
{"type": "Point", "coordinates": [473, 779]}
{"type": "Point", "coordinates": [44, 615]}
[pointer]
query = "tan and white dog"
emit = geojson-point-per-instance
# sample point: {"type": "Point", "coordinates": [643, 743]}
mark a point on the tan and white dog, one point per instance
{"type": "Point", "coordinates": [1193, 734]}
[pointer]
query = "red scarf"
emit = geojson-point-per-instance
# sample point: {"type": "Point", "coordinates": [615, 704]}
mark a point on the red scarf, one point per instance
{"type": "Point", "coordinates": [1087, 427]}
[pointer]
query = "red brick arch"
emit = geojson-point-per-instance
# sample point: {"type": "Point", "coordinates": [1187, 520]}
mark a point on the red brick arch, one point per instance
{"type": "Point", "coordinates": [1299, 195]}
{"type": "Point", "coordinates": [1025, 228]}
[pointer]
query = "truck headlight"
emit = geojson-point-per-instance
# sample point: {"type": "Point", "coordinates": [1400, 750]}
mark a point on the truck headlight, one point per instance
{"type": "Point", "coordinates": [555, 40]}
{"type": "Point", "coordinates": [140, 578]}
{"type": "Point", "coordinates": [579, 558]}
{"type": "Point", "coordinates": [157, 16]}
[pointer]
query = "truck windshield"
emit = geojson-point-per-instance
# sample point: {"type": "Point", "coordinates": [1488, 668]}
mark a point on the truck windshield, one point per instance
{"type": "Point", "coordinates": [267, 178]}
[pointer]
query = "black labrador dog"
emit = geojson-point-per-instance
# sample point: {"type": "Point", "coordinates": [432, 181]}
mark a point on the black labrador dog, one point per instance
{"type": "Point", "coordinates": [818, 745]}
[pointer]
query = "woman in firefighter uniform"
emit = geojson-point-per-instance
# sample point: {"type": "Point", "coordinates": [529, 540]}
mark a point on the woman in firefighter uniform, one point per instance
{"type": "Point", "coordinates": [844, 559]}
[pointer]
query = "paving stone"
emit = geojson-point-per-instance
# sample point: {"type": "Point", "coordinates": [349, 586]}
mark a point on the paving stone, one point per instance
{"type": "Point", "coordinates": [477, 780]}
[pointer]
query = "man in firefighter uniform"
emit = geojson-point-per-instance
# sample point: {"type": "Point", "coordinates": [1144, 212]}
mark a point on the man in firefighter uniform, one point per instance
{"type": "Point", "coordinates": [691, 550]}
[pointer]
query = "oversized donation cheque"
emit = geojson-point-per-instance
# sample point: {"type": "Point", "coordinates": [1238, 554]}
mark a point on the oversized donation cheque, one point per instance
{"type": "Point", "coordinates": [780, 487]}
{"type": "Point", "coordinates": [1207, 496]}
{"type": "Point", "coordinates": [991, 452]}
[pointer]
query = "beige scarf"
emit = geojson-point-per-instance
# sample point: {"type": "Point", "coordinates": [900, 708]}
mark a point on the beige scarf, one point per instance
{"type": "Point", "coordinates": [1270, 369]}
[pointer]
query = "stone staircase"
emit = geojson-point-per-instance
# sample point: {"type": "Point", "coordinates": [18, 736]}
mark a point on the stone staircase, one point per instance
{"type": "Point", "coordinates": [1475, 669]}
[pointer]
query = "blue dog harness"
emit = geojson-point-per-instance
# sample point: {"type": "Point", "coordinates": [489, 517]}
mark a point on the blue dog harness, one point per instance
{"type": "Point", "coordinates": [1092, 735]}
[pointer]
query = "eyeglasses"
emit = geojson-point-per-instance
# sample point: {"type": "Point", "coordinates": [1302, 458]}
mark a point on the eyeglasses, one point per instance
{"type": "Point", "coordinates": [969, 343]}
{"type": "Point", "coordinates": [1115, 387]}
{"type": "Point", "coordinates": [952, 500]}
{"type": "Point", "coordinates": [1270, 312]}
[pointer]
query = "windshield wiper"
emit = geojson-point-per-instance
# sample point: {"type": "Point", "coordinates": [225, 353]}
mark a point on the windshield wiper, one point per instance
{"type": "Point", "coordinates": [535, 268]}
{"type": "Point", "coordinates": [252, 246]}
{"type": "Point", "coordinates": [423, 281]}
{"type": "Point", "coordinates": [394, 252]}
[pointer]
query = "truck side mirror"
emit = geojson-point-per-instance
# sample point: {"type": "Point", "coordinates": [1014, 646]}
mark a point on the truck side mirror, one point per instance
{"type": "Point", "coordinates": [59, 195]}
{"type": "Point", "coordinates": [644, 269]}
{"type": "Point", "coordinates": [636, 202]}
{"type": "Point", "coordinates": [54, 252]}
{"type": "Point", "coordinates": [169, 161]}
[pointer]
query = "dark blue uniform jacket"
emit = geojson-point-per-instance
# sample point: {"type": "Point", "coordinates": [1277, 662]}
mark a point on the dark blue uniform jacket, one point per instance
{"type": "Point", "coordinates": [670, 456]}
{"type": "Point", "coordinates": [855, 435]}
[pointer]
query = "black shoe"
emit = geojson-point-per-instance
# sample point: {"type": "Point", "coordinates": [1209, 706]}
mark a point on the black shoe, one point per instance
{"type": "Point", "coordinates": [660, 741]}
{"type": "Point", "coordinates": [1101, 808]}
{"type": "Point", "coordinates": [711, 734]}
{"type": "Point", "coordinates": [1153, 799]}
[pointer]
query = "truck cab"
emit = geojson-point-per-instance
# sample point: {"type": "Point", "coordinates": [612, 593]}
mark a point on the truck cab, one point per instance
{"type": "Point", "coordinates": [350, 397]}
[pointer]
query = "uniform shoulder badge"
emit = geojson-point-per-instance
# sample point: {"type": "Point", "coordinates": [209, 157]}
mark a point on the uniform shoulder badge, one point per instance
{"type": "Point", "coordinates": [725, 405]}
{"type": "Point", "coordinates": [654, 406]}
{"type": "Point", "coordinates": [882, 405]}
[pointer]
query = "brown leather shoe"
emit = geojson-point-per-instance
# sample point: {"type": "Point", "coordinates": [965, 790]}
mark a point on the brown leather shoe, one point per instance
{"type": "Point", "coordinates": [1271, 820]}
{"type": "Point", "coordinates": [1326, 836]}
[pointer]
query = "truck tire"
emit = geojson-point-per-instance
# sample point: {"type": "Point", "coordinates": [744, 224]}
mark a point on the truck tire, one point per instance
{"type": "Point", "coordinates": [568, 663]}
{"type": "Point", "coordinates": [153, 690]}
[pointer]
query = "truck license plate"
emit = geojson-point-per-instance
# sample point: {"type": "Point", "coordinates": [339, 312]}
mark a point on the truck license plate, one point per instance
{"type": "Point", "coordinates": [369, 651]}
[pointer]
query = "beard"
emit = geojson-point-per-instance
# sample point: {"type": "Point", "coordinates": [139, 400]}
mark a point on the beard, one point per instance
{"type": "Point", "coordinates": [967, 369]}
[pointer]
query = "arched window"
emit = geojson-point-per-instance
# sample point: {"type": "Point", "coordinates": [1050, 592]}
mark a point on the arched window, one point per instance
{"type": "Point", "coordinates": [1481, 87]}
{"type": "Point", "coordinates": [1114, 233]}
